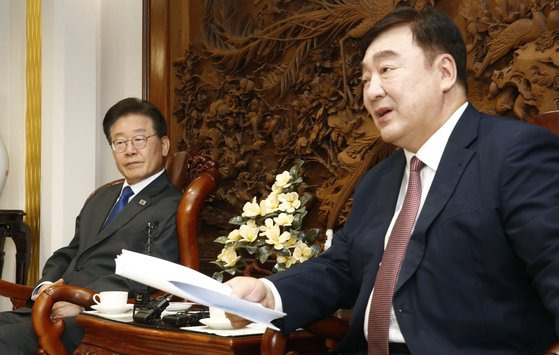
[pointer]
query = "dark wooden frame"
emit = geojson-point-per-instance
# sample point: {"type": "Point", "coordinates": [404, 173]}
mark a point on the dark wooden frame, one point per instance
{"type": "Point", "coordinates": [156, 63]}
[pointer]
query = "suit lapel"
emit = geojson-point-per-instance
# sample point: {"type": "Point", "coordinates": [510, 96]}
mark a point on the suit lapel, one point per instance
{"type": "Point", "coordinates": [388, 190]}
{"type": "Point", "coordinates": [136, 205]}
{"type": "Point", "coordinates": [454, 160]}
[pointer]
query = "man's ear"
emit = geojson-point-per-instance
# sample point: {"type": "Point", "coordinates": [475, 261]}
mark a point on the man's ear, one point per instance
{"type": "Point", "coordinates": [165, 145]}
{"type": "Point", "coordinates": [446, 66]}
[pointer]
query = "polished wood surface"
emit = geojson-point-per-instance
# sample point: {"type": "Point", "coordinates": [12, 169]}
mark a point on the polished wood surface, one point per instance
{"type": "Point", "coordinates": [330, 329]}
{"type": "Point", "coordinates": [49, 330]}
{"type": "Point", "coordinates": [104, 336]}
{"type": "Point", "coordinates": [156, 62]}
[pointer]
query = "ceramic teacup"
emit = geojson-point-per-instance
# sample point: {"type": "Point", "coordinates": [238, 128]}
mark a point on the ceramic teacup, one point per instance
{"type": "Point", "coordinates": [111, 298]}
{"type": "Point", "coordinates": [217, 313]}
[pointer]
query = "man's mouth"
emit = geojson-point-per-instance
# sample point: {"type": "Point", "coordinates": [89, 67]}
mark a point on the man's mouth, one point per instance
{"type": "Point", "coordinates": [381, 112]}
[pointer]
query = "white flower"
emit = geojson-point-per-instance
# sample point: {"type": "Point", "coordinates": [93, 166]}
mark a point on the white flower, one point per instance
{"type": "Point", "coordinates": [270, 204]}
{"type": "Point", "coordinates": [284, 219]}
{"type": "Point", "coordinates": [277, 239]}
{"type": "Point", "coordinates": [283, 179]}
{"type": "Point", "coordinates": [229, 257]}
{"type": "Point", "coordinates": [249, 231]}
{"type": "Point", "coordinates": [276, 188]}
{"type": "Point", "coordinates": [251, 209]}
{"type": "Point", "coordinates": [287, 260]}
{"type": "Point", "coordinates": [302, 252]}
{"type": "Point", "coordinates": [234, 236]}
{"type": "Point", "coordinates": [268, 224]}
{"type": "Point", "coordinates": [289, 202]}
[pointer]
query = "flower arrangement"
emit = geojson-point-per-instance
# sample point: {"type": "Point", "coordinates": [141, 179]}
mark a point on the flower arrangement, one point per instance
{"type": "Point", "coordinates": [270, 228]}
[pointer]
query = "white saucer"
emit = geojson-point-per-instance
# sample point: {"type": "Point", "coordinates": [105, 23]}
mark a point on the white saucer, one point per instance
{"type": "Point", "coordinates": [178, 306]}
{"type": "Point", "coordinates": [217, 323]}
{"type": "Point", "coordinates": [113, 310]}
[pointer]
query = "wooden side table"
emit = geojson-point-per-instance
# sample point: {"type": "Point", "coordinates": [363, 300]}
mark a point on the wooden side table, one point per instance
{"type": "Point", "coordinates": [13, 226]}
{"type": "Point", "coordinates": [104, 336]}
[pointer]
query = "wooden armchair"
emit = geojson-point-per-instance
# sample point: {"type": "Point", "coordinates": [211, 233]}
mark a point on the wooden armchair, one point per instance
{"type": "Point", "coordinates": [333, 329]}
{"type": "Point", "coordinates": [197, 176]}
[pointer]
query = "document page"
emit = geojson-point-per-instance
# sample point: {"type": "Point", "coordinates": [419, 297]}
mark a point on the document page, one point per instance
{"type": "Point", "coordinates": [190, 284]}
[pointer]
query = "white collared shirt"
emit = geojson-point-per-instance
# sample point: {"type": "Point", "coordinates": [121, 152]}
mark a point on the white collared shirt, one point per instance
{"type": "Point", "coordinates": [136, 188]}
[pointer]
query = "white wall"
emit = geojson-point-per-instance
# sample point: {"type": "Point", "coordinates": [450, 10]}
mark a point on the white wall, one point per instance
{"type": "Point", "coordinates": [92, 57]}
{"type": "Point", "coordinates": [121, 67]}
{"type": "Point", "coordinates": [12, 113]}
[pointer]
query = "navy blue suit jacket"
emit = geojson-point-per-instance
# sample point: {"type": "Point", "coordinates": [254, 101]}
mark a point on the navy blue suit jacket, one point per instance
{"type": "Point", "coordinates": [481, 273]}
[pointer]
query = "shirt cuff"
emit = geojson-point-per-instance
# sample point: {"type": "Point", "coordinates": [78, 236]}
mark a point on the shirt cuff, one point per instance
{"type": "Point", "coordinates": [278, 306]}
{"type": "Point", "coordinates": [35, 292]}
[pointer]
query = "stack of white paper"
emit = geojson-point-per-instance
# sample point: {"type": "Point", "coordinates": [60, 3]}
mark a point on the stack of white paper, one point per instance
{"type": "Point", "coordinates": [190, 284]}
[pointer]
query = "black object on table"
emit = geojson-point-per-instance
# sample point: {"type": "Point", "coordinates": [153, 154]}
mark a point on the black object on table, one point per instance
{"type": "Point", "coordinates": [13, 226]}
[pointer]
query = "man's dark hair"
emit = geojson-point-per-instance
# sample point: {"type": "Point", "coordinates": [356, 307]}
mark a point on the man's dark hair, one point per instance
{"type": "Point", "coordinates": [432, 29]}
{"type": "Point", "coordinates": [136, 106]}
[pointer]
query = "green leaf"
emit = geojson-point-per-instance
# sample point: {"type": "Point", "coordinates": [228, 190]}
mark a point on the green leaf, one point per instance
{"type": "Point", "coordinates": [251, 249]}
{"type": "Point", "coordinates": [264, 253]}
{"type": "Point", "coordinates": [305, 198]}
{"type": "Point", "coordinates": [296, 181]}
{"type": "Point", "coordinates": [221, 240]}
{"type": "Point", "coordinates": [278, 268]}
{"type": "Point", "coordinates": [231, 271]}
{"type": "Point", "coordinates": [295, 170]}
{"type": "Point", "coordinates": [296, 233]}
{"type": "Point", "coordinates": [297, 221]}
{"type": "Point", "coordinates": [270, 215]}
{"type": "Point", "coordinates": [284, 252]}
{"type": "Point", "coordinates": [218, 276]}
{"type": "Point", "coordinates": [238, 220]}
{"type": "Point", "coordinates": [315, 249]}
{"type": "Point", "coordinates": [310, 236]}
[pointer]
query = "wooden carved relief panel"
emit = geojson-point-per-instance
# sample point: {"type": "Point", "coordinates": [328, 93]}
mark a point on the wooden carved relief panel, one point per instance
{"type": "Point", "coordinates": [264, 83]}
{"type": "Point", "coordinates": [513, 55]}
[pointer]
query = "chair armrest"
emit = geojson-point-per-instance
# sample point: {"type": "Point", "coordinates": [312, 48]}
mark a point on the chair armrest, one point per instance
{"type": "Point", "coordinates": [554, 350]}
{"type": "Point", "coordinates": [273, 342]}
{"type": "Point", "coordinates": [18, 294]}
{"type": "Point", "coordinates": [332, 329]}
{"type": "Point", "coordinates": [49, 331]}
{"type": "Point", "coordinates": [188, 213]}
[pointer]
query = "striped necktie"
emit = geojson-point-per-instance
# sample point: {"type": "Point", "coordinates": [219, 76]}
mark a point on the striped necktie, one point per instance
{"type": "Point", "coordinates": [387, 275]}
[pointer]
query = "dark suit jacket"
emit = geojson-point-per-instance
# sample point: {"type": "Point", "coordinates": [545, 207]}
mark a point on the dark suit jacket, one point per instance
{"type": "Point", "coordinates": [89, 260]}
{"type": "Point", "coordinates": [481, 273]}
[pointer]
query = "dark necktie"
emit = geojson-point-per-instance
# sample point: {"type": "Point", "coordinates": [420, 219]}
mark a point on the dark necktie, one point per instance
{"type": "Point", "coordinates": [381, 304]}
{"type": "Point", "coordinates": [122, 201]}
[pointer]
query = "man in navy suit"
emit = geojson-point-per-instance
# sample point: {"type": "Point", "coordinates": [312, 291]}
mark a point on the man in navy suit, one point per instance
{"type": "Point", "coordinates": [480, 274]}
{"type": "Point", "coordinates": [137, 132]}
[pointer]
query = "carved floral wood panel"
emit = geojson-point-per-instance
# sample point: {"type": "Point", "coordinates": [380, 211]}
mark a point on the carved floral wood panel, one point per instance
{"type": "Point", "coordinates": [267, 82]}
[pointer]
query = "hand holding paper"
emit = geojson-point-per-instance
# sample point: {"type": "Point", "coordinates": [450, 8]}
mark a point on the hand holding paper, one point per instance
{"type": "Point", "coordinates": [190, 284]}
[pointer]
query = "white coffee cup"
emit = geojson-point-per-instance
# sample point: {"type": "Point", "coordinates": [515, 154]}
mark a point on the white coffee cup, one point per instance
{"type": "Point", "coordinates": [111, 298]}
{"type": "Point", "coordinates": [217, 313]}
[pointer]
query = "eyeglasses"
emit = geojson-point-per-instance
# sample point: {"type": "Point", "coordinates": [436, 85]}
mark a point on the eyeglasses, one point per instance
{"type": "Point", "coordinates": [138, 142]}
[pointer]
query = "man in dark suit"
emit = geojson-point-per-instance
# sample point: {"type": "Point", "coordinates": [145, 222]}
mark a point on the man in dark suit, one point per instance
{"type": "Point", "coordinates": [480, 270]}
{"type": "Point", "coordinates": [137, 132]}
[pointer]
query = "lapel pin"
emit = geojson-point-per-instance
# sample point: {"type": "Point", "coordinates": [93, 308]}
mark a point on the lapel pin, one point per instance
{"type": "Point", "coordinates": [142, 202]}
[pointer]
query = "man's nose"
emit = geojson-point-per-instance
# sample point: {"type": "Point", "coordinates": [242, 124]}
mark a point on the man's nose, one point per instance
{"type": "Point", "coordinates": [373, 90]}
{"type": "Point", "coordinates": [130, 149]}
